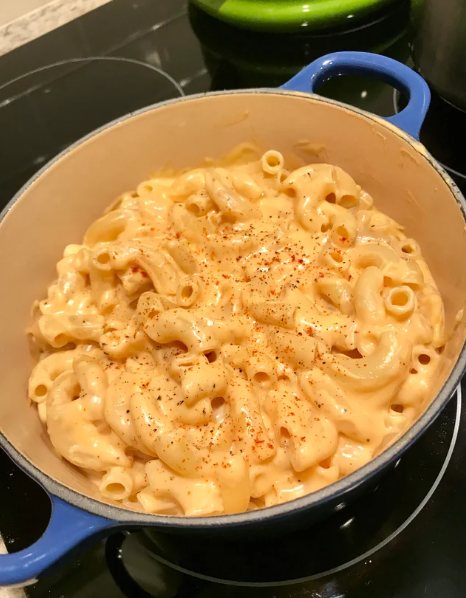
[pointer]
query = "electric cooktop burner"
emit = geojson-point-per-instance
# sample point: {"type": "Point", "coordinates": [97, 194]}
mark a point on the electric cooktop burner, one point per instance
{"type": "Point", "coordinates": [45, 110]}
{"type": "Point", "coordinates": [403, 539]}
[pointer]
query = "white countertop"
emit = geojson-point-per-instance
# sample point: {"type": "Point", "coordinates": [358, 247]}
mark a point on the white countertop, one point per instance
{"type": "Point", "coordinates": [42, 20]}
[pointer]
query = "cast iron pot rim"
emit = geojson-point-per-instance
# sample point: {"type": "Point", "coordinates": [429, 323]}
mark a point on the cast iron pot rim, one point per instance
{"type": "Point", "coordinates": [317, 499]}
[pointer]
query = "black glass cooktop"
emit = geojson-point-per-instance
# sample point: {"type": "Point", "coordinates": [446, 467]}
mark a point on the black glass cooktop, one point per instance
{"type": "Point", "coordinates": [402, 540]}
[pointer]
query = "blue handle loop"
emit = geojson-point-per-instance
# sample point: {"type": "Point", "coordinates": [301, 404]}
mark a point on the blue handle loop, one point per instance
{"type": "Point", "coordinates": [391, 71]}
{"type": "Point", "coordinates": [67, 528]}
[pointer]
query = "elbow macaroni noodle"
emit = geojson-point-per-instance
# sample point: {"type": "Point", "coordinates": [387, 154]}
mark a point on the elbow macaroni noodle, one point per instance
{"type": "Point", "coordinates": [235, 338]}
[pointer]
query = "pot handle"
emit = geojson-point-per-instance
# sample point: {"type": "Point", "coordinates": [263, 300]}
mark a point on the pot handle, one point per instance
{"type": "Point", "coordinates": [391, 71]}
{"type": "Point", "coordinates": [68, 527]}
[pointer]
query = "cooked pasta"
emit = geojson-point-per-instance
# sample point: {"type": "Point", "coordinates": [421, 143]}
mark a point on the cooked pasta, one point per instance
{"type": "Point", "coordinates": [235, 338]}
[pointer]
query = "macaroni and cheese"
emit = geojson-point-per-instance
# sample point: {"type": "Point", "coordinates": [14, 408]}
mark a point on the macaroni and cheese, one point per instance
{"type": "Point", "coordinates": [234, 338]}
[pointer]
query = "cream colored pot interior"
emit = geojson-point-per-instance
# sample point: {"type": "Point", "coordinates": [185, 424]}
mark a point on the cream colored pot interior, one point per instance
{"type": "Point", "coordinates": [58, 207]}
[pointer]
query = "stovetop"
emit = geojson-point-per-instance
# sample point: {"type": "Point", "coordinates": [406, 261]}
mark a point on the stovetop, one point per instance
{"type": "Point", "coordinates": [403, 539]}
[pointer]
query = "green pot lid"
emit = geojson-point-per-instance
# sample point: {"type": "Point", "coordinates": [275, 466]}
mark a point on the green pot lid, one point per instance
{"type": "Point", "coordinates": [287, 15]}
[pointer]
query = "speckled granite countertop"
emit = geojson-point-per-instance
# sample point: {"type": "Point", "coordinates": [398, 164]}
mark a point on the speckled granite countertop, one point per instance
{"type": "Point", "coordinates": [34, 24]}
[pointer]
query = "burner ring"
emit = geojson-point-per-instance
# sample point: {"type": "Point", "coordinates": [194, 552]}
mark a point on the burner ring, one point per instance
{"type": "Point", "coordinates": [89, 59]}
